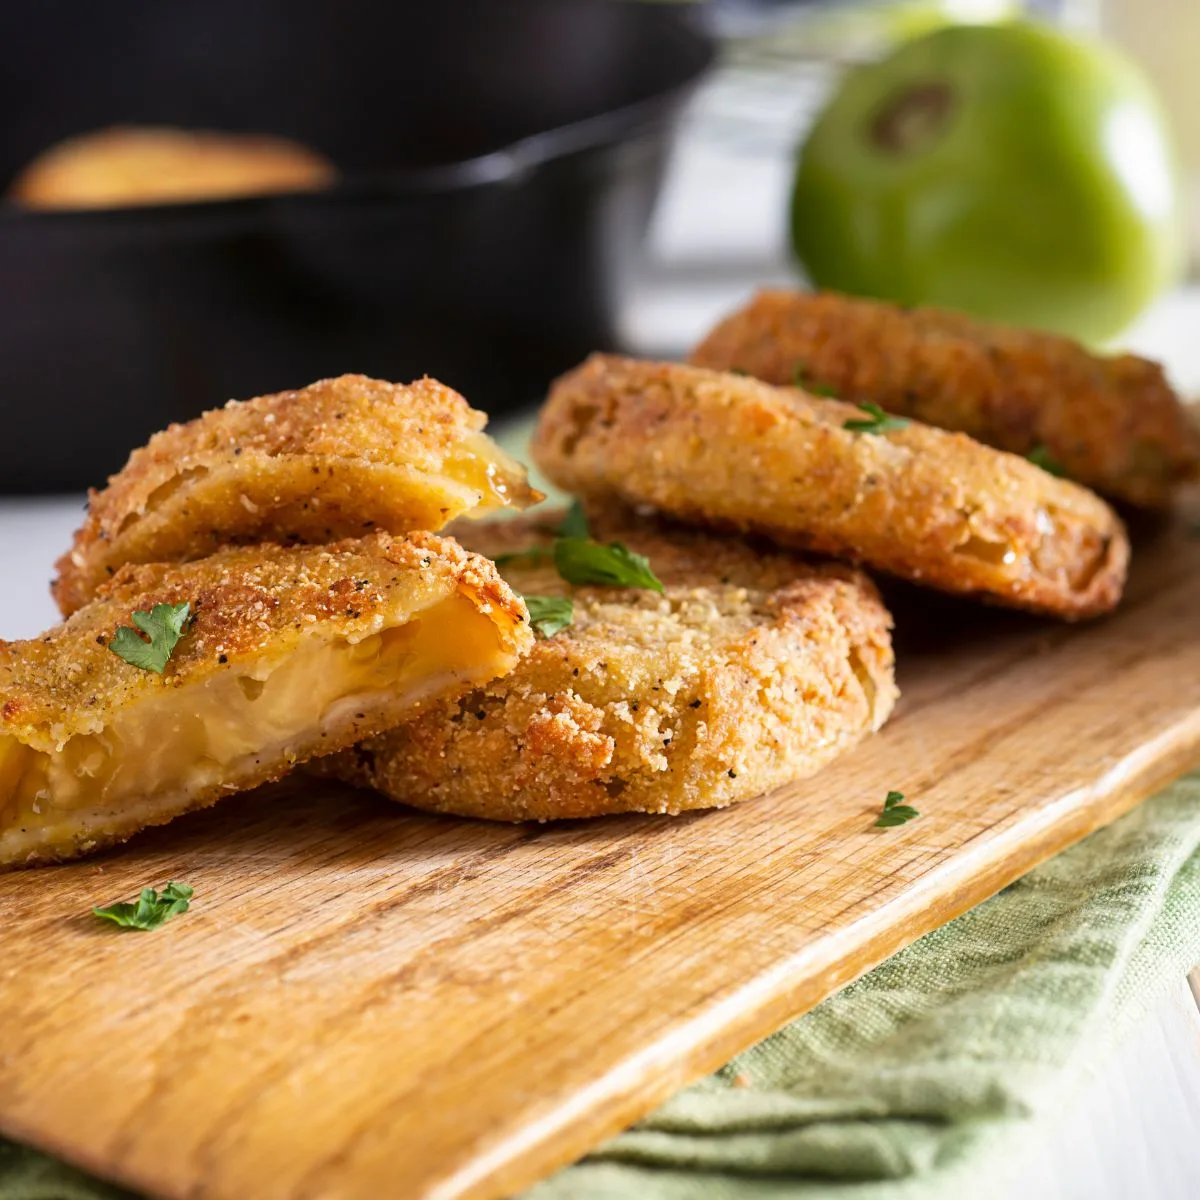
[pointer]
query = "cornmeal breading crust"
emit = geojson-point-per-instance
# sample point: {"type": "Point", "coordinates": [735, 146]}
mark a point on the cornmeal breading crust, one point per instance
{"type": "Point", "coordinates": [336, 459]}
{"type": "Point", "coordinates": [727, 451]}
{"type": "Point", "coordinates": [1112, 422]}
{"type": "Point", "coordinates": [755, 668]}
{"type": "Point", "coordinates": [254, 607]}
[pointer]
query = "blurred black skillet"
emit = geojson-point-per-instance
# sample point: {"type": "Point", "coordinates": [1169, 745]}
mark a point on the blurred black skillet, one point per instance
{"type": "Point", "coordinates": [498, 159]}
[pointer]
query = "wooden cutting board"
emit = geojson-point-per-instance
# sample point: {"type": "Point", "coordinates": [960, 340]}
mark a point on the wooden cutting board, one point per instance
{"type": "Point", "coordinates": [369, 1003]}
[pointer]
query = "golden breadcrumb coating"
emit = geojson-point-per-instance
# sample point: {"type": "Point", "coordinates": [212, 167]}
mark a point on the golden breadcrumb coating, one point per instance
{"type": "Point", "coordinates": [753, 669]}
{"type": "Point", "coordinates": [1111, 422]}
{"type": "Point", "coordinates": [124, 165]}
{"type": "Point", "coordinates": [292, 652]}
{"type": "Point", "coordinates": [728, 451]}
{"type": "Point", "coordinates": [336, 459]}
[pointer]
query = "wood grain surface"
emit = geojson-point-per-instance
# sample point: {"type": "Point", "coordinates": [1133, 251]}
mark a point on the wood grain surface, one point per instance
{"type": "Point", "coordinates": [369, 1003]}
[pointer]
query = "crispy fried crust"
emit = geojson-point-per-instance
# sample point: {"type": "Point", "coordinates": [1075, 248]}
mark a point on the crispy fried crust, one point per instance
{"type": "Point", "coordinates": [131, 165]}
{"type": "Point", "coordinates": [727, 451]}
{"type": "Point", "coordinates": [1113, 423]}
{"type": "Point", "coordinates": [255, 608]}
{"type": "Point", "coordinates": [754, 669]}
{"type": "Point", "coordinates": [336, 459]}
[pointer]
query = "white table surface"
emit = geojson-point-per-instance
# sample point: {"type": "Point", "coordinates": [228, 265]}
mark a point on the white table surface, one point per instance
{"type": "Point", "coordinates": [1132, 1132]}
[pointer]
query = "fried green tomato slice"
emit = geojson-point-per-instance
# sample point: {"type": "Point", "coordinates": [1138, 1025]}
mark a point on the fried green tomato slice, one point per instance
{"type": "Point", "coordinates": [1111, 422]}
{"type": "Point", "coordinates": [752, 669]}
{"type": "Point", "coordinates": [340, 458]}
{"type": "Point", "coordinates": [729, 452]}
{"type": "Point", "coordinates": [289, 653]}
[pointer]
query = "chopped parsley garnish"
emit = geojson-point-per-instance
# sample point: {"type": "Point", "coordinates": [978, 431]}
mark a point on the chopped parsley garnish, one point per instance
{"type": "Point", "coordinates": [801, 379]}
{"type": "Point", "coordinates": [163, 626]}
{"type": "Point", "coordinates": [580, 559]}
{"type": "Point", "coordinates": [575, 523]}
{"type": "Point", "coordinates": [150, 909]}
{"type": "Point", "coordinates": [1040, 456]}
{"type": "Point", "coordinates": [534, 555]}
{"type": "Point", "coordinates": [877, 420]}
{"type": "Point", "coordinates": [895, 811]}
{"type": "Point", "coordinates": [549, 615]}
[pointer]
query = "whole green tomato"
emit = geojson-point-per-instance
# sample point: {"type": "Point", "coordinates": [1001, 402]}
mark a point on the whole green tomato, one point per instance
{"type": "Point", "coordinates": [1005, 170]}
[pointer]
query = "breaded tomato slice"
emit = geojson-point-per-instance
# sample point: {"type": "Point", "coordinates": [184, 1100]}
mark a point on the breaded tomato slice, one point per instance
{"type": "Point", "coordinates": [1111, 422]}
{"type": "Point", "coordinates": [752, 669]}
{"type": "Point", "coordinates": [337, 459]}
{"type": "Point", "coordinates": [122, 165]}
{"type": "Point", "coordinates": [727, 451]}
{"type": "Point", "coordinates": [290, 653]}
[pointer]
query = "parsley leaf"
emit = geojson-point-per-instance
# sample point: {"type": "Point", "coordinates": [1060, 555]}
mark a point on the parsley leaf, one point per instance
{"type": "Point", "coordinates": [535, 554]}
{"type": "Point", "coordinates": [163, 625]}
{"type": "Point", "coordinates": [879, 421]}
{"type": "Point", "coordinates": [549, 615]}
{"type": "Point", "coordinates": [801, 379]}
{"type": "Point", "coordinates": [895, 811]}
{"type": "Point", "coordinates": [575, 523]}
{"type": "Point", "coordinates": [580, 560]}
{"type": "Point", "coordinates": [150, 910]}
{"type": "Point", "coordinates": [1040, 456]}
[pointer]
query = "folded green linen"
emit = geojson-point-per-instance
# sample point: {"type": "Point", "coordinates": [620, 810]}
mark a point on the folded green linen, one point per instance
{"type": "Point", "coordinates": [920, 1079]}
{"type": "Point", "coordinates": [927, 1071]}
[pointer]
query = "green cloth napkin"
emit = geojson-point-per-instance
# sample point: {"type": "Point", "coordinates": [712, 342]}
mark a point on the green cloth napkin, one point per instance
{"type": "Point", "coordinates": [919, 1079]}
{"type": "Point", "coordinates": [927, 1070]}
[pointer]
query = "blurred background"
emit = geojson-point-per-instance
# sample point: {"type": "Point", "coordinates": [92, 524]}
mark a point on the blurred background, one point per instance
{"type": "Point", "coordinates": [724, 218]}
{"type": "Point", "coordinates": [206, 200]}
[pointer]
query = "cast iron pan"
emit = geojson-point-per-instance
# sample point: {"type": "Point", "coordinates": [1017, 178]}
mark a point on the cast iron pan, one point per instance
{"type": "Point", "coordinates": [499, 162]}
